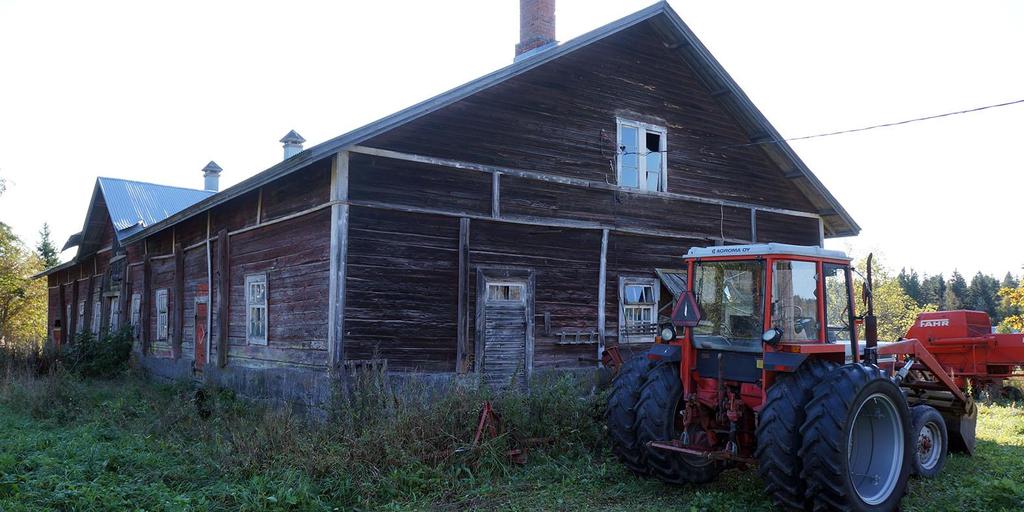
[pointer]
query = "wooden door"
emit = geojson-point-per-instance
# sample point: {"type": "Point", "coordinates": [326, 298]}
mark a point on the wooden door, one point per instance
{"type": "Point", "coordinates": [201, 339]}
{"type": "Point", "coordinates": [504, 331]}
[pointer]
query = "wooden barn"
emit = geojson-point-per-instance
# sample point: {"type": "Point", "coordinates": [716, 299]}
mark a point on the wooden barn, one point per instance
{"type": "Point", "coordinates": [521, 222]}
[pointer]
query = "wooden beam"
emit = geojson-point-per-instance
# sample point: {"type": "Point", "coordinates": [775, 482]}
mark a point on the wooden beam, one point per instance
{"type": "Point", "coordinates": [209, 289]}
{"type": "Point", "coordinates": [462, 342]}
{"type": "Point", "coordinates": [753, 226]}
{"type": "Point", "coordinates": [223, 296]}
{"type": "Point", "coordinates": [179, 301]}
{"type": "Point", "coordinates": [339, 258]}
{"type": "Point", "coordinates": [73, 321]}
{"type": "Point", "coordinates": [496, 195]}
{"type": "Point", "coordinates": [821, 233]}
{"type": "Point", "coordinates": [541, 221]}
{"type": "Point", "coordinates": [602, 291]}
{"type": "Point", "coordinates": [540, 176]}
{"type": "Point", "coordinates": [147, 267]}
{"type": "Point", "coordinates": [259, 207]}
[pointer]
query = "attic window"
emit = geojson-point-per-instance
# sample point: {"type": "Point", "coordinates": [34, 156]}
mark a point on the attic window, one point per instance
{"type": "Point", "coordinates": [641, 156]}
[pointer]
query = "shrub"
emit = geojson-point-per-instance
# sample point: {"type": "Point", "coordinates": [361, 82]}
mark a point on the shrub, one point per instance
{"type": "Point", "coordinates": [103, 357]}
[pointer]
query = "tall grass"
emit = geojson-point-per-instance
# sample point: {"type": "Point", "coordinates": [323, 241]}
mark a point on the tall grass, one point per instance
{"type": "Point", "coordinates": [378, 444]}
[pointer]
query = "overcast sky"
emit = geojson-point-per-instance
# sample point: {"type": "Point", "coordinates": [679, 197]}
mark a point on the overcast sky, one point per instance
{"type": "Point", "coordinates": [154, 90]}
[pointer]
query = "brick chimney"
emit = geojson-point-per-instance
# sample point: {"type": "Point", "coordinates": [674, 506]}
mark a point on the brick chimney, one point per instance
{"type": "Point", "coordinates": [536, 26]}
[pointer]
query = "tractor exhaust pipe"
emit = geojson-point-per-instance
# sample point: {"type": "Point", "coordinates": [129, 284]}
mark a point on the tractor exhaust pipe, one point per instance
{"type": "Point", "coordinates": [870, 321]}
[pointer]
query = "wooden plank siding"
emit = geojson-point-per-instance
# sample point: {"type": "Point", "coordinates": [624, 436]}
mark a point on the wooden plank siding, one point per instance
{"type": "Point", "coordinates": [294, 257]}
{"type": "Point", "coordinates": [559, 119]}
{"type": "Point", "coordinates": [401, 289]}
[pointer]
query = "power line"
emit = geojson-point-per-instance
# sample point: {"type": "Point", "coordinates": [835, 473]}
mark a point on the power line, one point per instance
{"type": "Point", "coordinates": [851, 130]}
{"type": "Point", "coordinates": [886, 125]}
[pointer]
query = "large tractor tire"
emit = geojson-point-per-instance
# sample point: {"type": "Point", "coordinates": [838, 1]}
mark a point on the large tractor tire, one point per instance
{"type": "Point", "coordinates": [778, 433]}
{"type": "Point", "coordinates": [657, 412]}
{"type": "Point", "coordinates": [622, 400]}
{"type": "Point", "coordinates": [857, 446]}
{"type": "Point", "coordinates": [931, 442]}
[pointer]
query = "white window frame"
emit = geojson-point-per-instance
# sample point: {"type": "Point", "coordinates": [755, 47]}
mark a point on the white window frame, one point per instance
{"type": "Point", "coordinates": [160, 298]}
{"type": "Point", "coordinates": [115, 312]}
{"type": "Point", "coordinates": [136, 313]}
{"type": "Point", "coordinates": [80, 324]}
{"type": "Point", "coordinates": [655, 286]}
{"type": "Point", "coordinates": [97, 313]}
{"type": "Point", "coordinates": [251, 306]}
{"type": "Point", "coordinates": [642, 130]}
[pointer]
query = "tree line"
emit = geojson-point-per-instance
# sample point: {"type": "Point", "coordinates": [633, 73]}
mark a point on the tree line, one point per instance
{"type": "Point", "coordinates": [983, 293]}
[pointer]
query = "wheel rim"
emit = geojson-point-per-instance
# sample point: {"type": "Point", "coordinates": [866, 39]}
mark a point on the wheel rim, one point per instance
{"type": "Point", "coordinates": [929, 445]}
{"type": "Point", "coordinates": [875, 449]}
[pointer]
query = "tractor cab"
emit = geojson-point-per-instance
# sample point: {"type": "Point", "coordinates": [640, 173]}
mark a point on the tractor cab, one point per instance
{"type": "Point", "coordinates": [752, 299]}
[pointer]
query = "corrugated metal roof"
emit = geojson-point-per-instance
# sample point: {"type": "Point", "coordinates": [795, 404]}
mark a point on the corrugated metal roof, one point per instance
{"type": "Point", "coordinates": [136, 205]}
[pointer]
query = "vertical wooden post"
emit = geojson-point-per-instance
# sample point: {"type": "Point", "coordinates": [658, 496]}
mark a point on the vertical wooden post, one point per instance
{"type": "Point", "coordinates": [496, 195]}
{"type": "Point", "coordinates": [461, 344]}
{"type": "Point", "coordinates": [753, 226]}
{"type": "Point", "coordinates": [339, 258]}
{"type": "Point", "coordinates": [89, 303]}
{"type": "Point", "coordinates": [73, 325]}
{"type": "Point", "coordinates": [821, 232]}
{"type": "Point", "coordinates": [602, 290]}
{"type": "Point", "coordinates": [179, 300]}
{"type": "Point", "coordinates": [223, 297]}
{"type": "Point", "coordinates": [145, 296]}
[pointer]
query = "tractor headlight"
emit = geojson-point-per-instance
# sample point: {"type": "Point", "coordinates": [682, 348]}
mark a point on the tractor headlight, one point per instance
{"type": "Point", "coordinates": [668, 332]}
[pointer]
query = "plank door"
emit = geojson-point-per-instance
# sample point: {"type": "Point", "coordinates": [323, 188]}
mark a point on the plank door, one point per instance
{"type": "Point", "coordinates": [504, 330]}
{"type": "Point", "coordinates": [201, 338]}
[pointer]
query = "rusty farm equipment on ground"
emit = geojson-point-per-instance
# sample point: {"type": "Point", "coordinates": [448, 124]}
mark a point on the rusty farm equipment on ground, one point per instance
{"type": "Point", "coordinates": [761, 365]}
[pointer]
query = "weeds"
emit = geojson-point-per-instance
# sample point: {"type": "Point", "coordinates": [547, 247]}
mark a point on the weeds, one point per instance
{"type": "Point", "coordinates": [112, 444]}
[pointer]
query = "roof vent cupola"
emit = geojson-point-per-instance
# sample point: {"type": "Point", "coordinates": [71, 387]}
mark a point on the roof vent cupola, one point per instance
{"type": "Point", "coordinates": [536, 27]}
{"type": "Point", "coordinates": [211, 176]}
{"type": "Point", "coordinates": [292, 144]}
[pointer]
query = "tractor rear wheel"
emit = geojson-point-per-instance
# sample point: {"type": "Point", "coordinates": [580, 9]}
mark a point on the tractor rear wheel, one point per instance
{"type": "Point", "coordinates": [657, 415]}
{"type": "Point", "coordinates": [622, 399]}
{"type": "Point", "coordinates": [857, 447]}
{"type": "Point", "coordinates": [931, 441]}
{"type": "Point", "coordinates": [778, 432]}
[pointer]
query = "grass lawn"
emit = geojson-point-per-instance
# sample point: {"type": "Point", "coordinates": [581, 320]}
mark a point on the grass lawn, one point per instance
{"type": "Point", "coordinates": [131, 445]}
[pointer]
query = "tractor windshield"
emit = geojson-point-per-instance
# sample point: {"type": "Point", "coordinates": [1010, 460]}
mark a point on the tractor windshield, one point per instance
{"type": "Point", "coordinates": [729, 294]}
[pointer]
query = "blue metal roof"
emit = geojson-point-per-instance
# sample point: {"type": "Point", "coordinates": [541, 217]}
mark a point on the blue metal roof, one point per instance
{"type": "Point", "coordinates": [136, 205]}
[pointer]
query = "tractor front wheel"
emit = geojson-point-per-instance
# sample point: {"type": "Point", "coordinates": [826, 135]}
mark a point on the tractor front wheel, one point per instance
{"type": "Point", "coordinates": [857, 449]}
{"type": "Point", "coordinates": [622, 400]}
{"type": "Point", "coordinates": [657, 419]}
{"type": "Point", "coordinates": [928, 430]}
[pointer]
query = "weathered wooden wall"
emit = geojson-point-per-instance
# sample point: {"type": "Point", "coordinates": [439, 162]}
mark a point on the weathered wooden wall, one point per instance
{"type": "Point", "coordinates": [401, 293]}
{"type": "Point", "coordinates": [559, 119]}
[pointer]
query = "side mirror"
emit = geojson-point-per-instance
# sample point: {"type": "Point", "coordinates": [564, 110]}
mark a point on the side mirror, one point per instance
{"type": "Point", "coordinates": [772, 336]}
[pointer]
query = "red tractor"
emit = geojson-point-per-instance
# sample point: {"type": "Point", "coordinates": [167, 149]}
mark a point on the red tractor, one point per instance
{"type": "Point", "coordinates": [761, 366]}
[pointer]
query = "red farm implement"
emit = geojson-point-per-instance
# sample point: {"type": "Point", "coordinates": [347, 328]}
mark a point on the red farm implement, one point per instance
{"type": "Point", "coordinates": [760, 365]}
